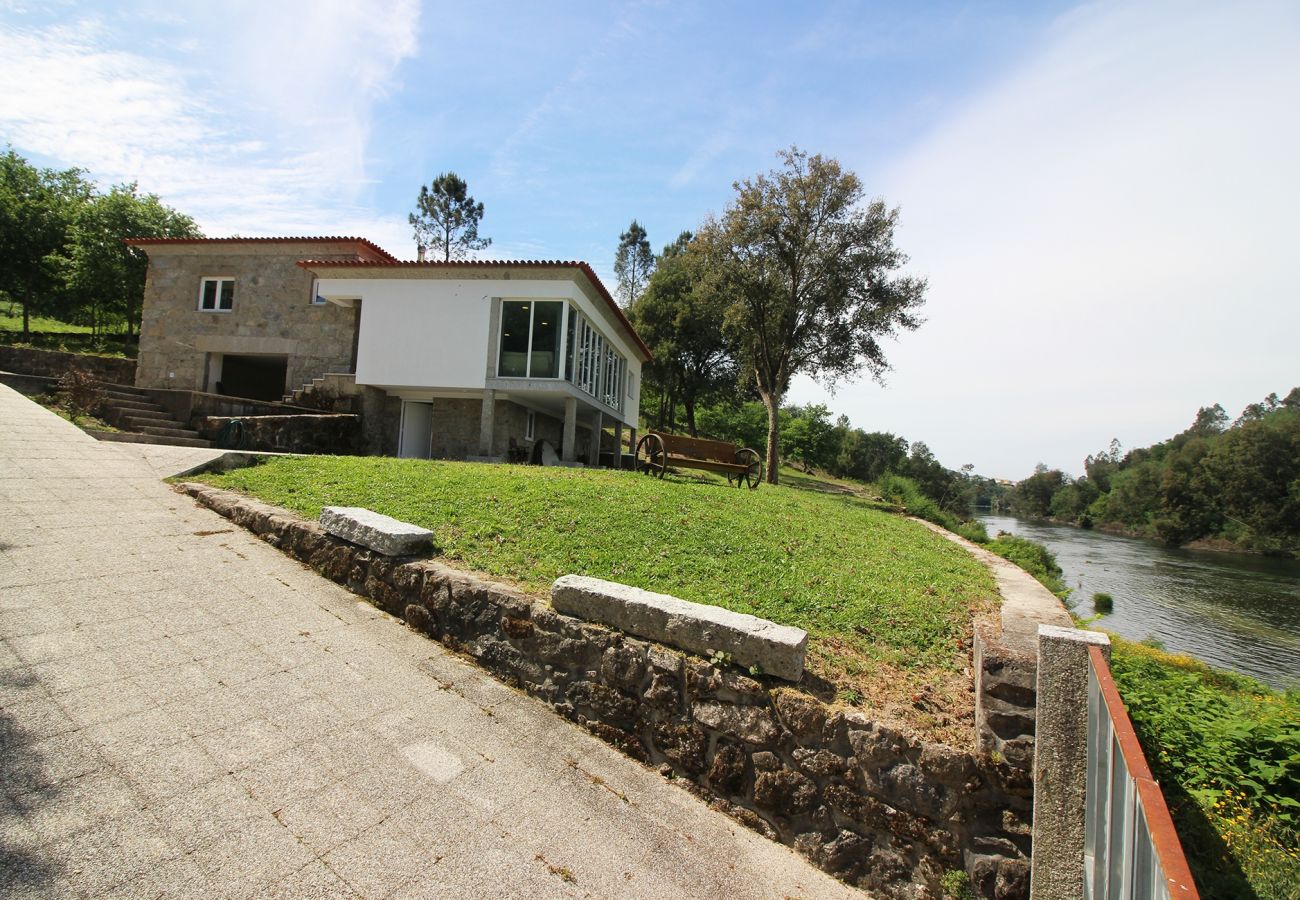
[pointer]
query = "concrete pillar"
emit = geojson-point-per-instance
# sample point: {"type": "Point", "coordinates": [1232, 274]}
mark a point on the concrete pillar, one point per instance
{"type": "Point", "coordinates": [618, 443]}
{"type": "Point", "coordinates": [569, 440]}
{"type": "Point", "coordinates": [597, 424]}
{"type": "Point", "coordinates": [631, 443]}
{"type": "Point", "coordinates": [1061, 760]}
{"type": "Point", "coordinates": [486, 423]}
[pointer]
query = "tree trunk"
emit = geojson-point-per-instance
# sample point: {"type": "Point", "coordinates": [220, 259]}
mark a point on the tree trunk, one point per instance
{"type": "Point", "coordinates": [27, 323]}
{"type": "Point", "coordinates": [688, 401]}
{"type": "Point", "coordinates": [773, 404]}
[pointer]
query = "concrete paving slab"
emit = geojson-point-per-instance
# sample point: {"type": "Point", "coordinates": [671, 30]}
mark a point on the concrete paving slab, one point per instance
{"type": "Point", "coordinates": [192, 713]}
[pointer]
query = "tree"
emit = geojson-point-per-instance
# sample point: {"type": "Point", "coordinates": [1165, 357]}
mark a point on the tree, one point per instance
{"type": "Point", "coordinates": [446, 218]}
{"type": "Point", "coordinates": [680, 316]}
{"type": "Point", "coordinates": [810, 437]}
{"type": "Point", "coordinates": [810, 273]}
{"type": "Point", "coordinates": [37, 207]}
{"type": "Point", "coordinates": [633, 262]}
{"type": "Point", "coordinates": [104, 277]}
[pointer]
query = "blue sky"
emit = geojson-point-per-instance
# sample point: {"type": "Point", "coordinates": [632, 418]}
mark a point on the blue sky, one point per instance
{"type": "Point", "coordinates": [1102, 195]}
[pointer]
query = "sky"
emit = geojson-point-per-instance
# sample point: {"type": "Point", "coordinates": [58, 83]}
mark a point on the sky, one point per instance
{"type": "Point", "coordinates": [1102, 196]}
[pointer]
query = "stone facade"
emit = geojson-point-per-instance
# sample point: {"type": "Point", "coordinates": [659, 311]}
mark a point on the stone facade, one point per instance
{"type": "Point", "coordinates": [272, 313]}
{"type": "Point", "coordinates": [857, 797]}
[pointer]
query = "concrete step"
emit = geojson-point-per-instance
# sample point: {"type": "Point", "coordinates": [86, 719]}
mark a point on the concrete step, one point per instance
{"type": "Point", "coordinates": [125, 392]}
{"type": "Point", "coordinates": [176, 431]}
{"type": "Point", "coordinates": [130, 408]}
{"type": "Point", "coordinates": [140, 411]}
{"type": "Point", "coordinates": [131, 437]}
{"type": "Point", "coordinates": [133, 422]}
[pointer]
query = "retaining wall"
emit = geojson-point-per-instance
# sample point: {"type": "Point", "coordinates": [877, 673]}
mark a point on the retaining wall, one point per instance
{"type": "Point", "coordinates": [858, 798]}
{"type": "Point", "coordinates": [54, 363]}
{"type": "Point", "coordinates": [315, 433]}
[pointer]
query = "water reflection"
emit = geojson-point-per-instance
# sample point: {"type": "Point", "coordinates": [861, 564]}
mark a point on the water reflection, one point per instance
{"type": "Point", "coordinates": [1231, 610]}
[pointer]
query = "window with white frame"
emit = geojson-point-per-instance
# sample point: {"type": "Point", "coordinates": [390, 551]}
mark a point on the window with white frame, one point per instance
{"type": "Point", "coordinates": [592, 364]}
{"type": "Point", "coordinates": [531, 428]}
{"type": "Point", "coordinates": [316, 299]}
{"type": "Point", "coordinates": [217, 294]}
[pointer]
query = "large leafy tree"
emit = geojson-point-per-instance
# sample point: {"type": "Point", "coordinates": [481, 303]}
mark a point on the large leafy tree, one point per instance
{"type": "Point", "coordinates": [680, 316]}
{"type": "Point", "coordinates": [446, 218]}
{"type": "Point", "coordinates": [812, 274]}
{"type": "Point", "coordinates": [633, 263]}
{"type": "Point", "coordinates": [104, 277]}
{"type": "Point", "coordinates": [37, 209]}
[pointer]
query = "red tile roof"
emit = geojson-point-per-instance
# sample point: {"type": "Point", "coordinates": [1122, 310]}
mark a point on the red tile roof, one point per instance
{"type": "Point", "coordinates": [383, 254]}
{"type": "Point", "coordinates": [489, 264]}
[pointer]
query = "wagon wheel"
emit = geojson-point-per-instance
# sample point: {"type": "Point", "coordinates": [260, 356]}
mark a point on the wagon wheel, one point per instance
{"type": "Point", "coordinates": [656, 460]}
{"type": "Point", "coordinates": [753, 463]}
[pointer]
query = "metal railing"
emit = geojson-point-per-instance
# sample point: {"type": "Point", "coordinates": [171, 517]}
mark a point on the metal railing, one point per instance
{"type": "Point", "coordinates": [1131, 851]}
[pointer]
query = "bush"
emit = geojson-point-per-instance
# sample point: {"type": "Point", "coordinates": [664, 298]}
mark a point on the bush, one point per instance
{"type": "Point", "coordinates": [973, 531]}
{"type": "Point", "coordinates": [1226, 751]}
{"type": "Point", "coordinates": [80, 394]}
{"type": "Point", "coordinates": [1103, 603]}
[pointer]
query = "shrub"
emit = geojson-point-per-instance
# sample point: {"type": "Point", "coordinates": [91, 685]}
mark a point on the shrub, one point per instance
{"type": "Point", "coordinates": [1103, 603]}
{"type": "Point", "coordinates": [80, 393]}
{"type": "Point", "coordinates": [1226, 751]}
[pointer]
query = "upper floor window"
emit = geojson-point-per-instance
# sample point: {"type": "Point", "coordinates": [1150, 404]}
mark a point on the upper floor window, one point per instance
{"type": "Point", "coordinates": [530, 339]}
{"type": "Point", "coordinates": [217, 295]}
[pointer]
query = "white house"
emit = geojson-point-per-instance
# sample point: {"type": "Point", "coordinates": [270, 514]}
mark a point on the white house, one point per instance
{"type": "Point", "coordinates": [444, 359]}
{"type": "Point", "coordinates": [544, 337]}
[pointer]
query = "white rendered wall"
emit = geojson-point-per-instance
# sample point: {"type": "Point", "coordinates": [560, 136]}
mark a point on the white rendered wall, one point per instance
{"type": "Point", "coordinates": [433, 333]}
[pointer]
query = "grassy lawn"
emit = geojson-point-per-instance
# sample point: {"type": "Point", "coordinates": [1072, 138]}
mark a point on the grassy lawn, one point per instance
{"type": "Point", "coordinates": [51, 334]}
{"type": "Point", "coordinates": [889, 605]}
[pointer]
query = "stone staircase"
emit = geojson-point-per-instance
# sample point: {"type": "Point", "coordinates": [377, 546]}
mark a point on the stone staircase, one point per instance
{"type": "Point", "coordinates": [323, 392]}
{"type": "Point", "coordinates": [142, 421]}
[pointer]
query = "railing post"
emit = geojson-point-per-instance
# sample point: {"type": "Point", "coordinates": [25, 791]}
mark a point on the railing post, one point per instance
{"type": "Point", "coordinates": [1061, 761]}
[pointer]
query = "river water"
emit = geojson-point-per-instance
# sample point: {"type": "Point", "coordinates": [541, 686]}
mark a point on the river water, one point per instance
{"type": "Point", "coordinates": [1234, 611]}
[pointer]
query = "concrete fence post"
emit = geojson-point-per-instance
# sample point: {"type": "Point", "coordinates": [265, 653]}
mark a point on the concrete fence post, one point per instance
{"type": "Point", "coordinates": [1061, 761]}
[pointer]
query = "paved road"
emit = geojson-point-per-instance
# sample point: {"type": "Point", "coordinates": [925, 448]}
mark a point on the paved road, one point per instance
{"type": "Point", "coordinates": [184, 711]}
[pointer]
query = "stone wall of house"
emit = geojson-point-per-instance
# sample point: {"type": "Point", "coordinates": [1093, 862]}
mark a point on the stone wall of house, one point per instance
{"type": "Point", "coordinates": [54, 363]}
{"type": "Point", "coordinates": [857, 797]}
{"type": "Point", "coordinates": [272, 314]}
{"type": "Point", "coordinates": [303, 433]}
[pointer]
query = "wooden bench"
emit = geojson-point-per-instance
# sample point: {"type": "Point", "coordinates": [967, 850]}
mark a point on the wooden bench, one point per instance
{"type": "Point", "coordinates": [658, 450]}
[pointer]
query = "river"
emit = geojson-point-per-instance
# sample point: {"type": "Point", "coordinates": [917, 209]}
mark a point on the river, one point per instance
{"type": "Point", "coordinates": [1232, 610]}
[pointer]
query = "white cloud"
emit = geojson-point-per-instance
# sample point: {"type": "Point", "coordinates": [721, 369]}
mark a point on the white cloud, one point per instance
{"type": "Point", "coordinates": [262, 130]}
{"type": "Point", "coordinates": [1109, 235]}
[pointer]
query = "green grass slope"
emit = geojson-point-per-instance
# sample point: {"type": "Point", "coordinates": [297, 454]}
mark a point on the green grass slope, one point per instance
{"type": "Point", "coordinates": [881, 596]}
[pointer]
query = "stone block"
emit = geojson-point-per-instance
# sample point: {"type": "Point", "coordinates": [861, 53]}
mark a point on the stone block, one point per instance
{"type": "Point", "coordinates": [777, 649]}
{"type": "Point", "coordinates": [378, 532]}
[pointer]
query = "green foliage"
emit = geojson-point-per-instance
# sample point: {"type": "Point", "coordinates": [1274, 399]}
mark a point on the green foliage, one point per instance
{"type": "Point", "coordinates": [633, 262]}
{"type": "Point", "coordinates": [810, 270]}
{"type": "Point", "coordinates": [104, 277]}
{"type": "Point", "coordinates": [446, 218]}
{"type": "Point", "coordinates": [744, 424]}
{"type": "Point", "coordinates": [1226, 751]}
{"type": "Point", "coordinates": [1103, 603]}
{"type": "Point", "coordinates": [1033, 557]}
{"type": "Point", "coordinates": [955, 885]}
{"type": "Point", "coordinates": [974, 531]}
{"type": "Point", "coordinates": [37, 210]}
{"type": "Point", "coordinates": [61, 246]}
{"type": "Point", "coordinates": [680, 317]}
{"type": "Point", "coordinates": [809, 438]}
{"type": "Point", "coordinates": [1239, 483]}
{"type": "Point", "coordinates": [830, 563]}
